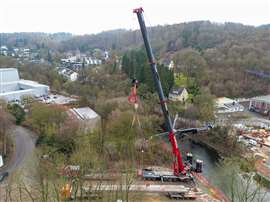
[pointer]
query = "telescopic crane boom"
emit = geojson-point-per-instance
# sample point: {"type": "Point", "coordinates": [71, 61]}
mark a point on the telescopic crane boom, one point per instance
{"type": "Point", "coordinates": [178, 165]}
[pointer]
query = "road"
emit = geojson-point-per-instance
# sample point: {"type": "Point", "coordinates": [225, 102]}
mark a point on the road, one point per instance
{"type": "Point", "coordinates": [24, 141]}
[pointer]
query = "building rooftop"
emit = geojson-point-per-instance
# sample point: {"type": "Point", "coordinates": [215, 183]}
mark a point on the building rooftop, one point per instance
{"type": "Point", "coordinates": [7, 69]}
{"type": "Point", "coordinates": [225, 105]}
{"type": "Point", "coordinates": [66, 71]}
{"type": "Point", "coordinates": [31, 83]}
{"type": "Point", "coordinates": [177, 91]}
{"type": "Point", "coordinates": [84, 113]}
{"type": "Point", "coordinates": [265, 98]}
{"type": "Point", "coordinates": [224, 100]}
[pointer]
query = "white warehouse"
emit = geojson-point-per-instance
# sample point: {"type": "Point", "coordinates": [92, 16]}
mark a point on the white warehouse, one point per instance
{"type": "Point", "coordinates": [13, 88]}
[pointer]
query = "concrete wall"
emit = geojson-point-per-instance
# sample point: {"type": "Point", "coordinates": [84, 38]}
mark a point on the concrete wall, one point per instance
{"type": "Point", "coordinates": [16, 95]}
{"type": "Point", "coordinates": [9, 75]}
{"type": "Point", "coordinates": [90, 124]}
{"type": "Point", "coordinates": [7, 87]}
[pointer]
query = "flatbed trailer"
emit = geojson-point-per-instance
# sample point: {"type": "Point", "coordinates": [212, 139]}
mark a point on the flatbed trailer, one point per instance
{"type": "Point", "coordinates": [181, 196]}
{"type": "Point", "coordinates": [165, 176]}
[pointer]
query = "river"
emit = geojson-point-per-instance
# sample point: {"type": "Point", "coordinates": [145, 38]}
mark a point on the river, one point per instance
{"type": "Point", "coordinates": [214, 172]}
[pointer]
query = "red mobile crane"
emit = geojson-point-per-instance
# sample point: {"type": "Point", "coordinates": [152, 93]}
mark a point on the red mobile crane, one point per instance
{"type": "Point", "coordinates": [178, 164]}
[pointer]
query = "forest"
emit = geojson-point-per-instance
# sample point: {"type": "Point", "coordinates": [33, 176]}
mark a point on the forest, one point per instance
{"type": "Point", "coordinates": [224, 52]}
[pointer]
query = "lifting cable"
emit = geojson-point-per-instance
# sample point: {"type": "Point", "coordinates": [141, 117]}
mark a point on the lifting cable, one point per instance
{"type": "Point", "coordinates": [133, 99]}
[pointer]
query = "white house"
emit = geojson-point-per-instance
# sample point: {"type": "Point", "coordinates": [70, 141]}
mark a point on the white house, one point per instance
{"type": "Point", "coordinates": [171, 65]}
{"type": "Point", "coordinates": [4, 50]}
{"type": "Point", "coordinates": [1, 161]}
{"type": "Point", "coordinates": [106, 55]}
{"type": "Point", "coordinates": [68, 73]}
{"type": "Point", "coordinates": [168, 63]}
{"type": "Point", "coordinates": [92, 61]}
{"type": "Point", "coordinates": [178, 94]}
{"type": "Point", "coordinates": [72, 59]}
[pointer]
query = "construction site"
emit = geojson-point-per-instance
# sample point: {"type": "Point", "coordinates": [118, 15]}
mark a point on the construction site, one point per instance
{"type": "Point", "coordinates": [113, 137]}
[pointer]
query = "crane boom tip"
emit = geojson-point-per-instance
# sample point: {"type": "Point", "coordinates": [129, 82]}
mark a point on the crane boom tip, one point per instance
{"type": "Point", "coordinates": [138, 10]}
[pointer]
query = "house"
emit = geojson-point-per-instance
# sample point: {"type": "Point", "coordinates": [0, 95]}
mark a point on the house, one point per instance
{"type": "Point", "coordinates": [1, 161]}
{"type": "Point", "coordinates": [26, 53]}
{"type": "Point", "coordinates": [88, 119]}
{"type": "Point", "coordinates": [76, 62]}
{"type": "Point", "coordinates": [12, 88]}
{"type": "Point", "coordinates": [4, 50]}
{"type": "Point", "coordinates": [178, 94]}
{"type": "Point", "coordinates": [168, 63]}
{"type": "Point", "coordinates": [69, 60]}
{"type": "Point", "coordinates": [106, 55]}
{"type": "Point", "coordinates": [171, 65]}
{"type": "Point", "coordinates": [227, 105]}
{"type": "Point", "coordinates": [68, 73]}
{"type": "Point", "coordinates": [261, 105]}
{"type": "Point", "coordinates": [92, 61]}
{"type": "Point", "coordinates": [71, 171]}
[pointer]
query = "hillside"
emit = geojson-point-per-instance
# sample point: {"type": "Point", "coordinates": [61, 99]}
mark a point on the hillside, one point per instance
{"type": "Point", "coordinates": [33, 40]}
{"type": "Point", "coordinates": [198, 34]}
{"type": "Point", "coordinates": [225, 51]}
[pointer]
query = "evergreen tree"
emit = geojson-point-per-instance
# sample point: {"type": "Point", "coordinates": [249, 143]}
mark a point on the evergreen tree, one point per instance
{"type": "Point", "coordinates": [135, 65]}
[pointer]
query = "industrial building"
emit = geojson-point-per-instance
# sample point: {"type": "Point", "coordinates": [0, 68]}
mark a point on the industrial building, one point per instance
{"type": "Point", "coordinates": [12, 88]}
{"type": "Point", "coordinates": [260, 104]}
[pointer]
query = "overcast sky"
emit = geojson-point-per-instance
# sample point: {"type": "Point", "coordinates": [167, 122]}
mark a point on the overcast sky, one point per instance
{"type": "Point", "coordinates": [93, 16]}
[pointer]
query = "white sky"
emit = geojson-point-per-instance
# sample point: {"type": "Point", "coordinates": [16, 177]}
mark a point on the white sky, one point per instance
{"type": "Point", "coordinates": [92, 16]}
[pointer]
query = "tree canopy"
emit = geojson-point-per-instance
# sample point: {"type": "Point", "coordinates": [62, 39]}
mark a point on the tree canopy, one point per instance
{"type": "Point", "coordinates": [135, 65]}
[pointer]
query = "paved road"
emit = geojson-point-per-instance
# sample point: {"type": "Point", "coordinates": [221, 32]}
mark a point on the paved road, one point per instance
{"type": "Point", "coordinates": [24, 141]}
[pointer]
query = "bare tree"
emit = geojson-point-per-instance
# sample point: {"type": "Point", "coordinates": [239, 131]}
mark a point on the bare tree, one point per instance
{"type": "Point", "coordinates": [239, 185]}
{"type": "Point", "coordinates": [5, 125]}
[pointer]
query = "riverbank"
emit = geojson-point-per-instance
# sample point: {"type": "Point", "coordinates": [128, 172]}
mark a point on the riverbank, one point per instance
{"type": "Point", "coordinates": [208, 145]}
{"type": "Point", "coordinates": [222, 140]}
{"type": "Point", "coordinates": [246, 162]}
{"type": "Point", "coordinates": [213, 191]}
